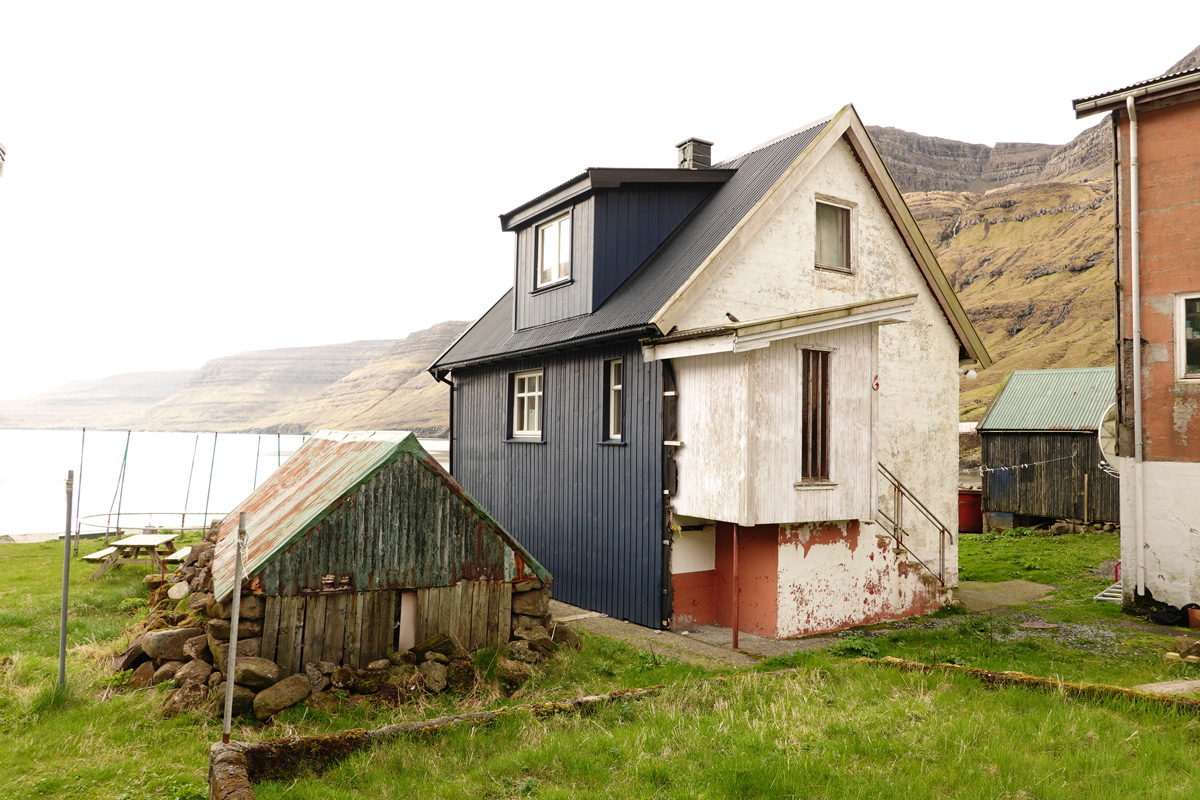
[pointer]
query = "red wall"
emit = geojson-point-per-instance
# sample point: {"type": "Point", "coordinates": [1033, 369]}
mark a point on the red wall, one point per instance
{"type": "Point", "coordinates": [1169, 163]}
{"type": "Point", "coordinates": [758, 556]}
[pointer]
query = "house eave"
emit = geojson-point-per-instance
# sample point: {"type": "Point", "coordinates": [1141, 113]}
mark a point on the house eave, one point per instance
{"type": "Point", "coordinates": [1155, 88]}
{"type": "Point", "coordinates": [757, 334]}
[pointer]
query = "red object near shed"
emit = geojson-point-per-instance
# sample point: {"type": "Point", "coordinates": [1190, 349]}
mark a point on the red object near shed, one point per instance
{"type": "Point", "coordinates": [970, 511]}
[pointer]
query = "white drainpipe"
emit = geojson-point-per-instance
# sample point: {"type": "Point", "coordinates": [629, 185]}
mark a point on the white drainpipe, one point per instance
{"type": "Point", "coordinates": [1135, 281]}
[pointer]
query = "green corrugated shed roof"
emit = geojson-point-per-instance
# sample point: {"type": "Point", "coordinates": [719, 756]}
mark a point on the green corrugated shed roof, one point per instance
{"type": "Point", "coordinates": [1052, 400]}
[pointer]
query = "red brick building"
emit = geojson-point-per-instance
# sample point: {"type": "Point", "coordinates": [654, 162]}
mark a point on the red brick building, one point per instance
{"type": "Point", "coordinates": [1156, 130]}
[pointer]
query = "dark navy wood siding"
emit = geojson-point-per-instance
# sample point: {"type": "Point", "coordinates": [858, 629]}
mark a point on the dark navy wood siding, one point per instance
{"type": "Point", "coordinates": [565, 300]}
{"type": "Point", "coordinates": [591, 513]}
{"type": "Point", "coordinates": [630, 223]}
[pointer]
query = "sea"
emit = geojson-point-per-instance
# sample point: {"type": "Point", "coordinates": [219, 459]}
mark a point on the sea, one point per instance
{"type": "Point", "coordinates": [132, 479]}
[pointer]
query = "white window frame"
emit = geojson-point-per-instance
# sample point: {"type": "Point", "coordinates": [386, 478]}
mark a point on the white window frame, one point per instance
{"type": "Point", "coordinates": [1181, 341]}
{"type": "Point", "coordinates": [614, 423]}
{"type": "Point", "coordinates": [848, 232]}
{"type": "Point", "coordinates": [522, 394]}
{"type": "Point", "coordinates": [561, 270]}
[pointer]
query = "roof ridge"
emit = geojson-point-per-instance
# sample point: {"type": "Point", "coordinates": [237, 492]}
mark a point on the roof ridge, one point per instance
{"type": "Point", "coordinates": [819, 123]}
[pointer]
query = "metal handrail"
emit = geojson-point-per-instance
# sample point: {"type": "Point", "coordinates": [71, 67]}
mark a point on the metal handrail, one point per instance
{"type": "Point", "coordinates": [897, 533]}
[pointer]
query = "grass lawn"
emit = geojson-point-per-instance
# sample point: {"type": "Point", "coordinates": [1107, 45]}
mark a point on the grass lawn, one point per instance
{"type": "Point", "coordinates": [837, 729]}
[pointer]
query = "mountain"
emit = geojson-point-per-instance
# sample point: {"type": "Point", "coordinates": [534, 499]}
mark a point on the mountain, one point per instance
{"type": "Point", "coordinates": [391, 391]}
{"type": "Point", "coordinates": [352, 386]}
{"type": "Point", "coordinates": [104, 403]}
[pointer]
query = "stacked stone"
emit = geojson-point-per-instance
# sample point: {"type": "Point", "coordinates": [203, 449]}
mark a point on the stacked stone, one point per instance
{"type": "Point", "coordinates": [535, 636]}
{"type": "Point", "coordinates": [186, 640]}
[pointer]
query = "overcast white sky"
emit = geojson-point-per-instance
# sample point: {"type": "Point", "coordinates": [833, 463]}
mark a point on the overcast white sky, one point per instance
{"type": "Point", "coordinates": [186, 181]}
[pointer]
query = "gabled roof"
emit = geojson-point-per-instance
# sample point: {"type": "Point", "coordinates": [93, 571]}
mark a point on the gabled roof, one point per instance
{"type": "Point", "coordinates": [1052, 400]}
{"type": "Point", "coordinates": [648, 302]}
{"type": "Point", "coordinates": [326, 469]}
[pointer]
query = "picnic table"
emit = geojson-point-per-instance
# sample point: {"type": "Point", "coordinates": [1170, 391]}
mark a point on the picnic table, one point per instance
{"type": "Point", "coordinates": [154, 549]}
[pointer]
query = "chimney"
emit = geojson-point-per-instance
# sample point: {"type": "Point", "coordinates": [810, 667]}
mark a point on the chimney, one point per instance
{"type": "Point", "coordinates": [694, 154]}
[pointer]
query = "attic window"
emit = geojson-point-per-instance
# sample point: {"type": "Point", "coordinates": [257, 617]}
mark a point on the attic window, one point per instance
{"type": "Point", "coordinates": [833, 237]}
{"type": "Point", "coordinates": [554, 251]}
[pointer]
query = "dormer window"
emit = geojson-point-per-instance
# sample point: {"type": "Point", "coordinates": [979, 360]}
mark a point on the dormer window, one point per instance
{"type": "Point", "coordinates": [554, 251]}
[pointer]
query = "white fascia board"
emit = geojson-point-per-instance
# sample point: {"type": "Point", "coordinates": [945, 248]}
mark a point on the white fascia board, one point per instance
{"type": "Point", "coordinates": [740, 343]}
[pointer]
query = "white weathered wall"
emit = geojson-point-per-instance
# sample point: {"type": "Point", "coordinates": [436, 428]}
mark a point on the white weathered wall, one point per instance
{"type": "Point", "coordinates": [773, 274]}
{"type": "Point", "coordinates": [739, 467]}
{"type": "Point", "coordinates": [831, 578]}
{"type": "Point", "coordinates": [1171, 496]}
{"type": "Point", "coordinates": [694, 551]}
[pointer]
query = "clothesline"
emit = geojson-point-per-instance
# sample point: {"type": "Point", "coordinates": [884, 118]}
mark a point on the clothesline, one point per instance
{"type": "Point", "coordinates": [982, 470]}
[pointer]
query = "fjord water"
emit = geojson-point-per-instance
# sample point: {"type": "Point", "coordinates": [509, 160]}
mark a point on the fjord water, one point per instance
{"type": "Point", "coordinates": [34, 464]}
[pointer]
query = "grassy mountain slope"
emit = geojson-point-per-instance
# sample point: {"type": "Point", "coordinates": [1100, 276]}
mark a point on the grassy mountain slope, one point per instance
{"type": "Point", "coordinates": [1033, 266]}
{"type": "Point", "coordinates": [389, 392]}
{"type": "Point", "coordinates": [112, 402]}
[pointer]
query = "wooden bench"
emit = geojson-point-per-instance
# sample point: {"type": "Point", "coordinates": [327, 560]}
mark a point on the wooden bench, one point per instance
{"type": "Point", "coordinates": [100, 555]}
{"type": "Point", "coordinates": [178, 557]}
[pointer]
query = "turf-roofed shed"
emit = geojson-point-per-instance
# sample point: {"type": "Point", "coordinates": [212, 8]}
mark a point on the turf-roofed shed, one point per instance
{"type": "Point", "coordinates": [1041, 457]}
{"type": "Point", "coordinates": [361, 544]}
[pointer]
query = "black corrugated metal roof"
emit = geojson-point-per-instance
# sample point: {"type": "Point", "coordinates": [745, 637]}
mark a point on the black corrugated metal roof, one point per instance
{"type": "Point", "coordinates": [632, 306]}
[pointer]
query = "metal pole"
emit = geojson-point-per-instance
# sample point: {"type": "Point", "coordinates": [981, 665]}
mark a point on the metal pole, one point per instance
{"type": "Point", "coordinates": [66, 579]}
{"type": "Point", "coordinates": [211, 465]}
{"type": "Point", "coordinates": [79, 492]}
{"type": "Point", "coordinates": [121, 496]}
{"type": "Point", "coordinates": [736, 589]}
{"type": "Point", "coordinates": [233, 625]}
{"type": "Point", "coordinates": [257, 456]}
{"type": "Point", "coordinates": [188, 494]}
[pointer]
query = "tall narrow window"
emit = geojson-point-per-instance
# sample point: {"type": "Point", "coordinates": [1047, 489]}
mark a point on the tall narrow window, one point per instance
{"type": "Point", "coordinates": [527, 404]}
{"type": "Point", "coordinates": [612, 401]}
{"type": "Point", "coordinates": [833, 237]}
{"type": "Point", "coordinates": [1189, 337]}
{"type": "Point", "coordinates": [814, 416]}
{"type": "Point", "coordinates": [554, 251]}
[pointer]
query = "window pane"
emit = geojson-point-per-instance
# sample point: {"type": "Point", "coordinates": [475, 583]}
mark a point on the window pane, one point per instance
{"type": "Point", "coordinates": [547, 254]}
{"type": "Point", "coordinates": [616, 369]}
{"type": "Point", "coordinates": [832, 232]}
{"type": "Point", "coordinates": [814, 417]}
{"type": "Point", "coordinates": [1191, 336]}
{"type": "Point", "coordinates": [564, 247]}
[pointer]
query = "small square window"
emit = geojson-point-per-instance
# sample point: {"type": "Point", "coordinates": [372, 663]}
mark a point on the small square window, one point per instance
{"type": "Point", "coordinates": [833, 237]}
{"type": "Point", "coordinates": [1188, 337]}
{"type": "Point", "coordinates": [527, 404]}
{"type": "Point", "coordinates": [554, 251]}
{"type": "Point", "coordinates": [613, 408]}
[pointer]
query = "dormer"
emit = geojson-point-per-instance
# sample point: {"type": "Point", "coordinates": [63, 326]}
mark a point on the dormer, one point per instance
{"type": "Point", "coordinates": [579, 241]}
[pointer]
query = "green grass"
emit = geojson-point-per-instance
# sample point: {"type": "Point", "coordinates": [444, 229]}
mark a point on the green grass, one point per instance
{"type": "Point", "coordinates": [87, 742]}
{"type": "Point", "coordinates": [840, 728]}
{"type": "Point", "coordinates": [843, 730]}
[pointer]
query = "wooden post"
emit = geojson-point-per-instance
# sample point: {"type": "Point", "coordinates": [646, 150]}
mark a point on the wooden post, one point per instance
{"type": "Point", "coordinates": [736, 589]}
{"type": "Point", "coordinates": [233, 625]}
{"type": "Point", "coordinates": [66, 579]}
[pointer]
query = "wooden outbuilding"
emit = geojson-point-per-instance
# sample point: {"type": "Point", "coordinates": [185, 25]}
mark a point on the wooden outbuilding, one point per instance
{"type": "Point", "coordinates": [361, 544]}
{"type": "Point", "coordinates": [1041, 459]}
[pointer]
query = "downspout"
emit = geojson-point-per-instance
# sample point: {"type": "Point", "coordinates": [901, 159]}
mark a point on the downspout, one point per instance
{"type": "Point", "coordinates": [1136, 291]}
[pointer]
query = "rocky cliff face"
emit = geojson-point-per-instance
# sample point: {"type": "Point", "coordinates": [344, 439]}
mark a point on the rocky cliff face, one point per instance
{"type": "Point", "coordinates": [229, 394]}
{"type": "Point", "coordinates": [1190, 61]}
{"type": "Point", "coordinates": [928, 163]}
{"type": "Point", "coordinates": [392, 391]}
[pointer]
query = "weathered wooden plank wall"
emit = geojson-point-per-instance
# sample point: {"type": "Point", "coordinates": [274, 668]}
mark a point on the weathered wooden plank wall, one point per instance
{"type": "Point", "coordinates": [1053, 486]}
{"type": "Point", "coordinates": [403, 529]}
{"type": "Point", "coordinates": [476, 613]}
{"type": "Point", "coordinates": [351, 628]}
{"type": "Point", "coordinates": [589, 511]}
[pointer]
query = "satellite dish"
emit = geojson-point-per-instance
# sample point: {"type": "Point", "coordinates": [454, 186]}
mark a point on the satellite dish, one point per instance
{"type": "Point", "coordinates": [1106, 435]}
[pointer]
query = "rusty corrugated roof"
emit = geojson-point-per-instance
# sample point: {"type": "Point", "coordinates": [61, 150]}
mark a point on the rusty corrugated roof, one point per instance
{"type": "Point", "coordinates": [323, 472]}
{"type": "Point", "coordinates": [1052, 400]}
